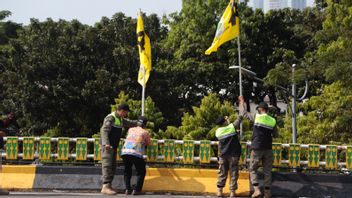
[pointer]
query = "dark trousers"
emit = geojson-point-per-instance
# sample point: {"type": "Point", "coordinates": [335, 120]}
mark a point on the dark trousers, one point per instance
{"type": "Point", "coordinates": [139, 163]}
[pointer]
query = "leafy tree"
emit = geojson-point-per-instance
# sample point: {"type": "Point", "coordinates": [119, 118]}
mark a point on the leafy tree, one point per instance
{"type": "Point", "coordinates": [201, 123]}
{"type": "Point", "coordinates": [190, 74]}
{"type": "Point", "coordinates": [64, 74]}
{"type": "Point", "coordinates": [286, 36]}
{"type": "Point", "coordinates": [152, 113]}
{"type": "Point", "coordinates": [8, 29]}
{"type": "Point", "coordinates": [335, 62]}
{"type": "Point", "coordinates": [326, 117]}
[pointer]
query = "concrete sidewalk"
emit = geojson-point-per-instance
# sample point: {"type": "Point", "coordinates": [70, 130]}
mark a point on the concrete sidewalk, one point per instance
{"type": "Point", "coordinates": [60, 194]}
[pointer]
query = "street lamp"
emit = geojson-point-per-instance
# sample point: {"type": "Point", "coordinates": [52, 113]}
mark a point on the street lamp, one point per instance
{"type": "Point", "coordinates": [293, 95]}
{"type": "Point", "coordinates": [293, 114]}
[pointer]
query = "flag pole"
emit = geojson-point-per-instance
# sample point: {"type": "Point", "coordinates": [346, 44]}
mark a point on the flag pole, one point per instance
{"type": "Point", "coordinates": [143, 96]}
{"type": "Point", "coordinates": [240, 75]}
{"type": "Point", "coordinates": [143, 88]}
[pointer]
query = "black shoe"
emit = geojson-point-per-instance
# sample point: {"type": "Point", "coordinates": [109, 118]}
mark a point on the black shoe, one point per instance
{"type": "Point", "coordinates": [128, 191]}
{"type": "Point", "coordinates": [135, 192]}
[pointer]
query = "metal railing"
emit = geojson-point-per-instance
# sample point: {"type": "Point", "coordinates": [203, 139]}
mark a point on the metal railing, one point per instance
{"type": "Point", "coordinates": [312, 156]}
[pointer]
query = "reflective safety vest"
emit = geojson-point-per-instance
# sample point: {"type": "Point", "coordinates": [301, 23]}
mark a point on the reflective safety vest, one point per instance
{"type": "Point", "coordinates": [116, 119]}
{"type": "Point", "coordinates": [263, 129]}
{"type": "Point", "coordinates": [226, 131]}
{"type": "Point", "coordinates": [229, 144]}
{"type": "Point", "coordinates": [116, 131]}
{"type": "Point", "coordinates": [264, 120]}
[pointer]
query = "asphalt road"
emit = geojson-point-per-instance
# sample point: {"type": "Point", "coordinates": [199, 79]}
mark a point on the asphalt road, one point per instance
{"type": "Point", "coordinates": [61, 194]}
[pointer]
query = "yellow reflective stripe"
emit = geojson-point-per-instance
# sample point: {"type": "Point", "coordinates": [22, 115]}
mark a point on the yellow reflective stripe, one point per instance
{"type": "Point", "coordinates": [226, 131]}
{"type": "Point", "coordinates": [265, 120]}
{"type": "Point", "coordinates": [117, 120]}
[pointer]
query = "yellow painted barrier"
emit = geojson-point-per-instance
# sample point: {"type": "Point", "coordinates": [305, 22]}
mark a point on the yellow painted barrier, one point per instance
{"type": "Point", "coordinates": [177, 180]}
{"type": "Point", "coordinates": [197, 181]}
{"type": "Point", "coordinates": [18, 177]}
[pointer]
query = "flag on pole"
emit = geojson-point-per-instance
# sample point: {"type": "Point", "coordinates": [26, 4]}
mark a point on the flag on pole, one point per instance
{"type": "Point", "coordinates": [145, 54]}
{"type": "Point", "coordinates": [228, 27]}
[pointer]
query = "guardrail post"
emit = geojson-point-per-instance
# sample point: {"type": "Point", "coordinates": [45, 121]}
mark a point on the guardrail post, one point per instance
{"type": "Point", "coordinates": [313, 155]}
{"type": "Point", "coordinates": [62, 149]}
{"type": "Point", "coordinates": [28, 148]}
{"type": "Point", "coordinates": [277, 150]}
{"type": "Point", "coordinates": [44, 148]}
{"type": "Point", "coordinates": [12, 148]}
{"type": "Point", "coordinates": [97, 151]}
{"type": "Point", "coordinates": [294, 155]}
{"type": "Point", "coordinates": [331, 157]}
{"type": "Point", "coordinates": [204, 151]}
{"type": "Point", "coordinates": [152, 151]}
{"type": "Point", "coordinates": [169, 150]}
{"type": "Point", "coordinates": [349, 157]}
{"type": "Point", "coordinates": [188, 151]}
{"type": "Point", "coordinates": [81, 149]}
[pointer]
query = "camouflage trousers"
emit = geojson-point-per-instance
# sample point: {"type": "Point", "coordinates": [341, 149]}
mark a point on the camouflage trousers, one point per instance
{"type": "Point", "coordinates": [266, 158]}
{"type": "Point", "coordinates": [227, 164]}
{"type": "Point", "coordinates": [108, 164]}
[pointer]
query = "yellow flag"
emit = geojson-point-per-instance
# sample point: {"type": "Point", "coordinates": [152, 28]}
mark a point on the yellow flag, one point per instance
{"type": "Point", "coordinates": [145, 53]}
{"type": "Point", "coordinates": [228, 27]}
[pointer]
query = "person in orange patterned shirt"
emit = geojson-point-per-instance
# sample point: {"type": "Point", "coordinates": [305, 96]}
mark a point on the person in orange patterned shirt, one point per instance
{"type": "Point", "coordinates": [132, 154]}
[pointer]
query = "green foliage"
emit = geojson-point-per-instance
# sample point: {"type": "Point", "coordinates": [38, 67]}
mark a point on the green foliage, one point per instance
{"type": "Point", "coordinates": [64, 74]}
{"type": "Point", "coordinates": [61, 76]}
{"type": "Point", "coordinates": [8, 29]}
{"type": "Point", "coordinates": [327, 117]}
{"type": "Point", "coordinates": [201, 124]}
{"type": "Point", "coordinates": [152, 113]}
{"type": "Point", "coordinates": [55, 132]}
{"type": "Point", "coordinates": [335, 43]}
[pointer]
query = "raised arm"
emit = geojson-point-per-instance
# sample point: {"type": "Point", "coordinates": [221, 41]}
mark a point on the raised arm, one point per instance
{"type": "Point", "coordinates": [242, 108]}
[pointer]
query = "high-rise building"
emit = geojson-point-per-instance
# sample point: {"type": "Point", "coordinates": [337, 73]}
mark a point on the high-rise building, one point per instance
{"type": "Point", "coordinates": [256, 4]}
{"type": "Point", "coordinates": [298, 4]}
{"type": "Point", "coordinates": [267, 5]}
{"type": "Point", "coordinates": [275, 4]}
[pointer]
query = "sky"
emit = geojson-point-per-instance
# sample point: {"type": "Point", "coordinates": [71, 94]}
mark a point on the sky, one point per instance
{"type": "Point", "coordinates": [86, 11]}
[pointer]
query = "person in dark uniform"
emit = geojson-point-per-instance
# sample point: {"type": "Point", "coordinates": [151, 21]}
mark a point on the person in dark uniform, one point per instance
{"type": "Point", "coordinates": [110, 138]}
{"type": "Point", "coordinates": [229, 153]}
{"type": "Point", "coordinates": [264, 129]}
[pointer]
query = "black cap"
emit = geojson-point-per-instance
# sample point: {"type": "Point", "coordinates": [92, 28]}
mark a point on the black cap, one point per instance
{"type": "Point", "coordinates": [263, 105]}
{"type": "Point", "coordinates": [142, 121]}
{"type": "Point", "coordinates": [124, 107]}
{"type": "Point", "coordinates": [220, 120]}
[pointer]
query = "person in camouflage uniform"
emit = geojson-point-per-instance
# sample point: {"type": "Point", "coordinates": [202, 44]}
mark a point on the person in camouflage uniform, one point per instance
{"type": "Point", "coordinates": [264, 129]}
{"type": "Point", "coordinates": [229, 153]}
{"type": "Point", "coordinates": [110, 138]}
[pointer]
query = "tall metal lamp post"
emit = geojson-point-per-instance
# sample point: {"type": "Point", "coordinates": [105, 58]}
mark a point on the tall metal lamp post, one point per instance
{"type": "Point", "coordinates": [293, 95]}
{"type": "Point", "coordinates": [294, 104]}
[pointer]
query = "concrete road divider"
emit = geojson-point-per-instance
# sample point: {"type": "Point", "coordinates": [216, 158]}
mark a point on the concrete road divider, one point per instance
{"type": "Point", "coordinates": [182, 181]}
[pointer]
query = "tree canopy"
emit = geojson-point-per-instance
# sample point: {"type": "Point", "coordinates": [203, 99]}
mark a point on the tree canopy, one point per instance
{"type": "Point", "coordinates": [64, 75]}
